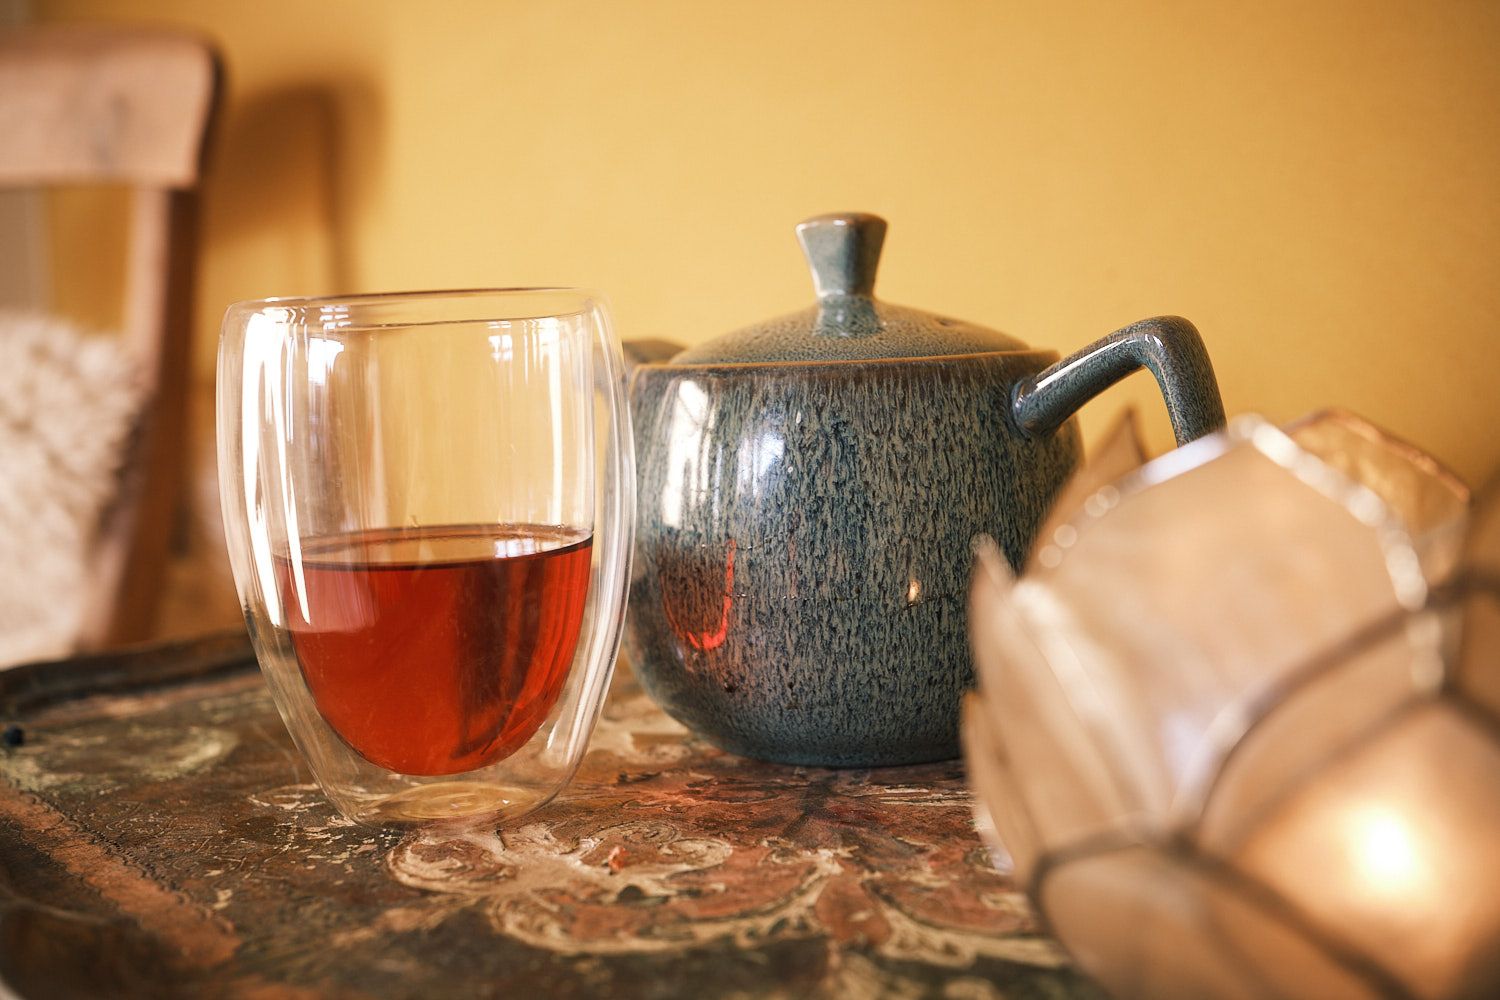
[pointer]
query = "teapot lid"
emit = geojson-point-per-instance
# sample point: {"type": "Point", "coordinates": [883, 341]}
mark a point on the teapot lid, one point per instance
{"type": "Point", "coordinates": [848, 323]}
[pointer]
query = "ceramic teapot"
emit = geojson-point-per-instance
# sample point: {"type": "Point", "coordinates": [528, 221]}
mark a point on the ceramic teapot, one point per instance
{"type": "Point", "coordinates": [808, 490]}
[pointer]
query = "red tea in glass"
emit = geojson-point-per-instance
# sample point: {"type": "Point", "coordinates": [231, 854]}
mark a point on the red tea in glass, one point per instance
{"type": "Point", "coordinates": [429, 507]}
{"type": "Point", "coordinates": [437, 650]}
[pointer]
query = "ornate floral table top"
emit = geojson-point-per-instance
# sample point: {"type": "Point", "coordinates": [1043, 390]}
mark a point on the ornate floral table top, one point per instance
{"type": "Point", "coordinates": [169, 840]}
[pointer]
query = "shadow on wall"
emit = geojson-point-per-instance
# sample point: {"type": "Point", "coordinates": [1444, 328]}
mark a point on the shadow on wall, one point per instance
{"type": "Point", "coordinates": [288, 171]}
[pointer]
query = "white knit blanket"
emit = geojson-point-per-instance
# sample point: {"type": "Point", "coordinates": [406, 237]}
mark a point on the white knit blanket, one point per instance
{"type": "Point", "coordinates": [69, 403]}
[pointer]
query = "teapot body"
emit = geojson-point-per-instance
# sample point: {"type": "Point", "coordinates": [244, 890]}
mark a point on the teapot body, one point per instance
{"type": "Point", "coordinates": [808, 490]}
{"type": "Point", "coordinates": [802, 545]}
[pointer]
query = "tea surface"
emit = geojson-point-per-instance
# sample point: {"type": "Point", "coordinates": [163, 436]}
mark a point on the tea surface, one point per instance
{"type": "Point", "coordinates": [437, 650]}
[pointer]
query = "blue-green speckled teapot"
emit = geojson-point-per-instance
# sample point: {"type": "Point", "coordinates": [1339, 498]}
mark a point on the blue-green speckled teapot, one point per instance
{"type": "Point", "coordinates": [808, 489]}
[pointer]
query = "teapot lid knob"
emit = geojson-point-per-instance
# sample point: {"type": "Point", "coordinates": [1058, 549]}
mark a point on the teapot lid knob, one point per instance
{"type": "Point", "coordinates": [843, 250]}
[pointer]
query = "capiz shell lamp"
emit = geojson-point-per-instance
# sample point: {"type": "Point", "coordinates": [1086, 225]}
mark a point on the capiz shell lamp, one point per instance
{"type": "Point", "coordinates": [1238, 726]}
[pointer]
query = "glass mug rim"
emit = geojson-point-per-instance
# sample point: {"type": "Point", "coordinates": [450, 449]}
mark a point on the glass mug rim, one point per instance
{"type": "Point", "coordinates": [356, 308]}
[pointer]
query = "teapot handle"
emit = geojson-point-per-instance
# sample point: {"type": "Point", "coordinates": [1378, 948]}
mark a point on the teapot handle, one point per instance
{"type": "Point", "coordinates": [1169, 346]}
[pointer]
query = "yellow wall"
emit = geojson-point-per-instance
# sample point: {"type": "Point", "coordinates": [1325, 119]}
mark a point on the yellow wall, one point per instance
{"type": "Point", "coordinates": [1314, 184]}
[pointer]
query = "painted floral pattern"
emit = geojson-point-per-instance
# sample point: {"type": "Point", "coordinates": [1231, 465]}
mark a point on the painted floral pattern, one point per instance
{"type": "Point", "coordinates": [194, 855]}
{"type": "Point", "coordinates": [702, 846]}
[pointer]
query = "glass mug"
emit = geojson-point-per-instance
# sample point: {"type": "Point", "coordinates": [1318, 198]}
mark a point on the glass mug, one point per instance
{"type": "Point", "coordinates": [429, 505]}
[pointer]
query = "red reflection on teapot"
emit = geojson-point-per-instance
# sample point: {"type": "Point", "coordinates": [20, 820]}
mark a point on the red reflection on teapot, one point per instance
{"type": "Point", "coordinates": [694, 590]}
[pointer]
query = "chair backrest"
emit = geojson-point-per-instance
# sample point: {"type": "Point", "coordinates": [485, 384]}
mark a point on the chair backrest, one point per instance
{"type": "Point", "coordinates": [124, 105]}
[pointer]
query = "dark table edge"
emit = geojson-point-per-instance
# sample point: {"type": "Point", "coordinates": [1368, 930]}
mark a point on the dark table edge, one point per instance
{"type": "Point", "coordinates": [32, 686]}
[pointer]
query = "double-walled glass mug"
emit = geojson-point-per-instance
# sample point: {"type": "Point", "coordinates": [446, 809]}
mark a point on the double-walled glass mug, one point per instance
{"type": "Point", "coordinates": [429, 504]}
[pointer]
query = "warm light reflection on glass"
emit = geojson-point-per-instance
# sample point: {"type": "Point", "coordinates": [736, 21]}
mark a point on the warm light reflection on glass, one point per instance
{"type": "Point", "coordinates": [334, 316]}
{"type": "Point", "coordinates": [546, 337]}
{"type": "Point", "coordinates": [502, 346]}
{"type": "Point", "coordinates": [1385, 852]}
{"type": "Point", "coordinates": [684, 432]}
{"type": "Point", "coordinates": [263, 384]}
{"type": "Point", "coordinates": [321, 353]}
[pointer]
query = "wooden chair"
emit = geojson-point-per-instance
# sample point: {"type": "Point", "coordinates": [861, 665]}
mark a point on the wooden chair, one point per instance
{"type": "Point", "coordinates": [129, 106]}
